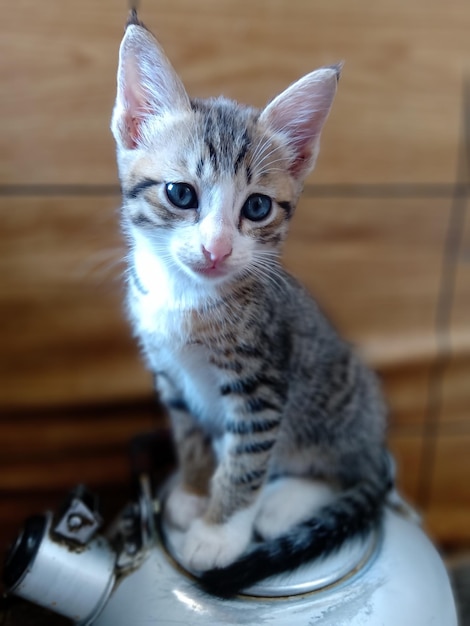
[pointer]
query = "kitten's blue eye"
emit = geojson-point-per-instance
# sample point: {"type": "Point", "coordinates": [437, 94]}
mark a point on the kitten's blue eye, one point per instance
{"type": "Point", "coordinates": [181, 195]}
{"type": "Point", "coordinates": [257, 207]}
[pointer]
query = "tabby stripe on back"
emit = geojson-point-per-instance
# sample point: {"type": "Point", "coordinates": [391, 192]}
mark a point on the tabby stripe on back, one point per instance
{"type": "Point", "coordinates": [254, 447]}
{"type": "Point", "coordinates": [248, 385]}
{"type": "Point", "coordinates": [258, 405]}
{"type": "Point", "coordinates": [244, 349]}
{"type": "Point", "coordinates": [248, 427]}
{"type": "Point", "coordinates": [233, 365]}
{"type": "Point", "coordinates": [251, 478]}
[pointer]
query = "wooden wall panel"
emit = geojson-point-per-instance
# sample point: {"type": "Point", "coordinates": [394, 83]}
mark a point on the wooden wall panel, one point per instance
{"type": "Point", "coordinates": [64, 334]}
{"type": "Point", "coordinates": [448, 515]}
{"type": "Point", "coordinates": [460, 313]}
{"type": "Point", "coordinates": [389, 249]}
{"type": "Point", "coordinates": [397, 117]}
{"type": "Point", "coordinates": [407, 451]}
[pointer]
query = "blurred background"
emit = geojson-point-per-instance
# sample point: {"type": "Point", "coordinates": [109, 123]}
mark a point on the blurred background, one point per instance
{"type": "Point", "coordinates": [381, 236]}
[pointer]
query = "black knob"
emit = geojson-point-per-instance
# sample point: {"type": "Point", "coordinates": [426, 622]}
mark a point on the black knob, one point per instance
{"type": "Point", "coordinates": [22, 553]}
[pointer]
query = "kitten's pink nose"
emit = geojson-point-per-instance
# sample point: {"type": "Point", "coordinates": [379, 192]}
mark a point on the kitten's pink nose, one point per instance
{"type": "Point", "coordinates": [217, 252]}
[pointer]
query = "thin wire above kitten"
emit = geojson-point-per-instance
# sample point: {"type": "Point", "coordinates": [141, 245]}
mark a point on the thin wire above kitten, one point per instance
{"type": "Point", "coordinates": [264, 397]}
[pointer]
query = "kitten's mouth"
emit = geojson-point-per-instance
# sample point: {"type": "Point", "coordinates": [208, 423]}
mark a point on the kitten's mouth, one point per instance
{"type": "Point", "coordinates": [210, 271]}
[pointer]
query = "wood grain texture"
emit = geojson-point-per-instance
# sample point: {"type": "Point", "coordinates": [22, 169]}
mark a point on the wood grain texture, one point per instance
{"type": "Point", "coordinates": [73, 389]}
{"type": "Point", "coordinates": [389, 249]}
{"type": "Point", "coordinates": [64, 334]}
{"type": "Point", "coordinates": [397, 116]}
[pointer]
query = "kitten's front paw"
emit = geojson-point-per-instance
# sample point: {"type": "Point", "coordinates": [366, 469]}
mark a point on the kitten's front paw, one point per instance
{"type": "Point", "coordinates": [215, 545]}
{"type": "Point", "coordinates": [182, 508]}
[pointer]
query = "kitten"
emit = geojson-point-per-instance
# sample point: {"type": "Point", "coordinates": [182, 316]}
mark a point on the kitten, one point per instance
{"type": "Point", "coordinates": [265, 399]}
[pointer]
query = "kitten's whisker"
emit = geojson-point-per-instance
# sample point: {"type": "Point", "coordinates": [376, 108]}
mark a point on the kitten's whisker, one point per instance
{"type": "Point", "coordinates": [265, 164]}
{"type": "Point", "coordinates": [193, 134]}
{"type": "Point", "coordinates": [262, 269]}
{"type": "Point", "coordinates": [269, 261]}
{"type": "Point", "coordinates": [263, 143]}
{"type": "Point", "coordinates": [279, 160]}
{"type": "Point", "coordinates": [260, 146]}
{"type": "Point", "coordinates": [262, 156]}
{"type": "Point", "coordinates": [105, 272]}
{"type": "Point", "coordinates": [271, 170]}
{"type": "Point", "coordinates": [101, 262]}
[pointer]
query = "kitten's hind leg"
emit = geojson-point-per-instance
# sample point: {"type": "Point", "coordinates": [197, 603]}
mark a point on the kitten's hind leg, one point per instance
{"type": "Point", "coordinates": [288, 501]}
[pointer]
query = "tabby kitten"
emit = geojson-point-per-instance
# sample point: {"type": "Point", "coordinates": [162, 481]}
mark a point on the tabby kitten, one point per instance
{"type": "Point", "coordinates": [279, 427]}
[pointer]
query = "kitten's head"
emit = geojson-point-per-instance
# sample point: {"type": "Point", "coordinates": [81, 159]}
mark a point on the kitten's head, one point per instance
{"type": "Point", "coordinates": [209, 185]}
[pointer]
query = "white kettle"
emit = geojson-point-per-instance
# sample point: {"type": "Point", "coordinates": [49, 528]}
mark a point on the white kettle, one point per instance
{"type": "Point", "coordinates": [394, 577]}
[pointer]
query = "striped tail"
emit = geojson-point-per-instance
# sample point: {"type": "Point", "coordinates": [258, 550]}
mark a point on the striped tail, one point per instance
{"type": "Point", "coordinates": [354, 514]}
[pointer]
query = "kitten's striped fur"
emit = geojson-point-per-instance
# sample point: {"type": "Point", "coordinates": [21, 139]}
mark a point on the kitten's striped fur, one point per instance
{"type": "Point", "coordinates": [258, 385]}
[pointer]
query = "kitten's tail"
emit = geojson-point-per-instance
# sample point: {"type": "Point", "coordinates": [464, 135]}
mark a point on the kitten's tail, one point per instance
{"type": "Point", "coordinates": [353, 514]}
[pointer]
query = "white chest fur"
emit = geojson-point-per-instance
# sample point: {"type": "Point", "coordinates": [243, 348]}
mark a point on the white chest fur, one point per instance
{"type": "Point", "coordinates": [161, 324]}
{"type": "Point", "coordinates": [196, 380]}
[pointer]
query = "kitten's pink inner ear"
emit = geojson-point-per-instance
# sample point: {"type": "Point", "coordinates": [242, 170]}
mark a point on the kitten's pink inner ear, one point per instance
{"type": "Point", "coordinates": [131, 135]}
{"type": "Point", "coordinates": [136, 107]}
{"type": "Point", "coordinates": [299, 113]}
{"type": "Point", "coordinates": [147, 86]}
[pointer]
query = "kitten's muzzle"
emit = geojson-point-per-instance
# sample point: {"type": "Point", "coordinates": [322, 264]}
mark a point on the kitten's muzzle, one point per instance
{"type": "Point", "coordinates": [215, 261]}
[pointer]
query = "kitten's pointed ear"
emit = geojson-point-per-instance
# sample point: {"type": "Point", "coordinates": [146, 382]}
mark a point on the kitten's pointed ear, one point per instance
{"type": "Point", "coordinates": [147, 85]}
{"type": "Point", "coordinates": [299, 113]}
